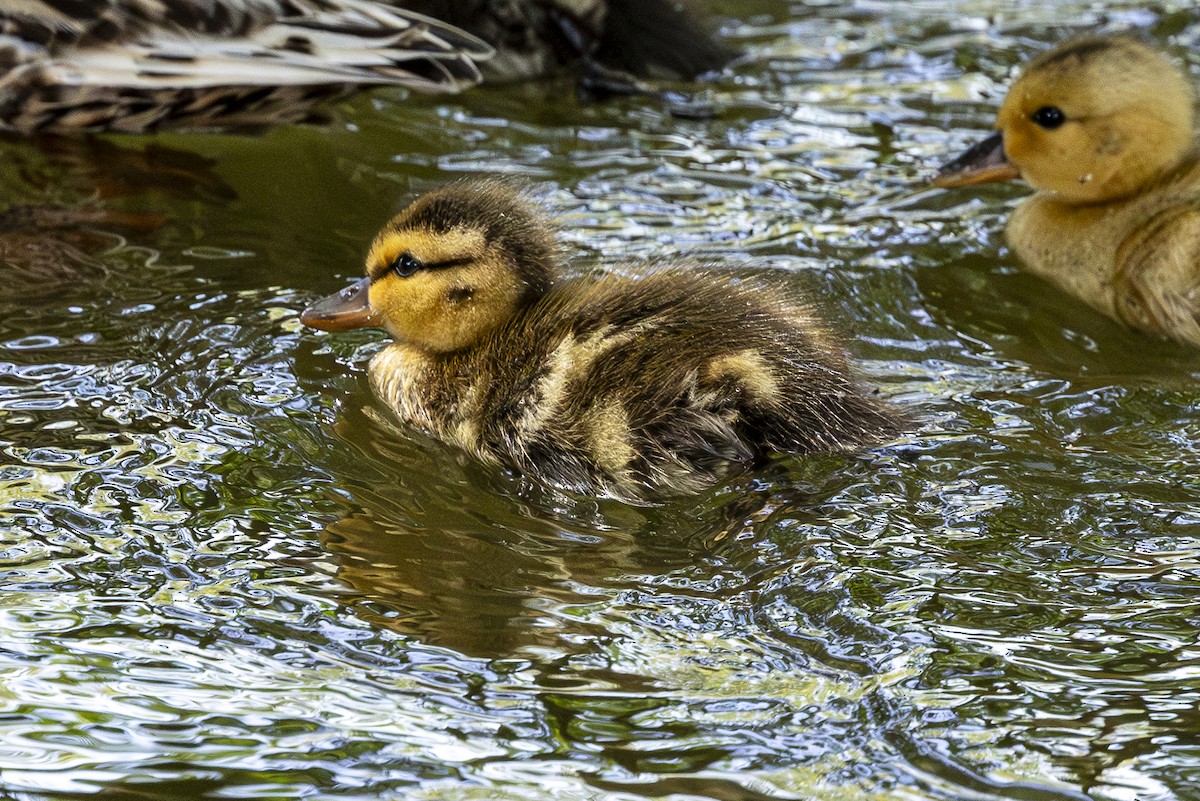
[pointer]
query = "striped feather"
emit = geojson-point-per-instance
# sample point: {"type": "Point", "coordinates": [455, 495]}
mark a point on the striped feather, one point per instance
{"type": "Point", "coordinates": [135, 65]}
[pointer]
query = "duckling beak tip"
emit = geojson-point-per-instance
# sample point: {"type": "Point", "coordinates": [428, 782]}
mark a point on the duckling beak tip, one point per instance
{"type": "Point", "coordinates": [342, 311]}
{"type": "Point", "coordinates": [983, 163]}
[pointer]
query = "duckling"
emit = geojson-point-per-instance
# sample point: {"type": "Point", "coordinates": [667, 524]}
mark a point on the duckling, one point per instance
{"type": "Point", "coordinates": [642, 386]}
{"type": "Point", "coordinates": [1104, 129]}
{"type": "Point", "coordinates": [131, 65]}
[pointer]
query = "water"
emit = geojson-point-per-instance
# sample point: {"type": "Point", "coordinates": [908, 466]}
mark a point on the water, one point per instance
{"type": "Point", "coordinates": [227, 575]}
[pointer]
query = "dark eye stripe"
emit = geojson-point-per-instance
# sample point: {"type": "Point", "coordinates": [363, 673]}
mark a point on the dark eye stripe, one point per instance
{"type": "Point", "coordinates": [439, 265]}
{"type": "Point", "coordinates": [406, 265]}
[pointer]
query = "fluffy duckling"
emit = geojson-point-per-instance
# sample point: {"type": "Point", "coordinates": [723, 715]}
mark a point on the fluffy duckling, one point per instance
{"type": "Point", "coordinates": [642, 386]}
{"type": "Point", "coordinates": [1104, 128]}
{"type": "Point", "coordinates": [133, 65]}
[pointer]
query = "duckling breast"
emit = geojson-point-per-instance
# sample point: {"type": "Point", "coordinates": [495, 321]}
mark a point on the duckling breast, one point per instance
{"type": "Point", "coordinates": [430, 393]}
{"type": "Point", "coordinates": [1087, 250]}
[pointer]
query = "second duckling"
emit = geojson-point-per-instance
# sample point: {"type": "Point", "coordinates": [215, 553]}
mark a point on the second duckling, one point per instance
{"type": "Point", "coordinates": [642, 386]}
{"type": "Point", "coordinates": [1104, 128]}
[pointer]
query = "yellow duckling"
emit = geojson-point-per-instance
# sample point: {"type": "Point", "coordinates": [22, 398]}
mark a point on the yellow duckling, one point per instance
{"type": "Point", "coordinates": [641, 386]}
{"type": "Point", "coordinates": [1104, 128]}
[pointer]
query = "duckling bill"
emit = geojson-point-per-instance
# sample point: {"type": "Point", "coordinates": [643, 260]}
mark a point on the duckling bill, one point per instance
{"type": "Point", "coordinates": [1104, 129]}
{"type": "Point", "coordinates": [643, 386]}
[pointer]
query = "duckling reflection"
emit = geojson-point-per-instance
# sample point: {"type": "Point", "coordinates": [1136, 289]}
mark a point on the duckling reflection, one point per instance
{"type": "Point", "coordinates": [642, 387]}
{"type": "Point", "coordinates": [1104, 129]}
{"type": "Point", "coordinates": [460, 555]}
{"type": "Point", "coordinates": [46, 248]}
{"type": "Point", "coordinates": [479, 590]}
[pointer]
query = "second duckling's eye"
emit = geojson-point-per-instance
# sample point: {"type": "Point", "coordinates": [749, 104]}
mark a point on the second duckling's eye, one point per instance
{"type": "Point", "coordinates": [1049, 117]}
{"type": "Point", "coordinates": [406, 264]}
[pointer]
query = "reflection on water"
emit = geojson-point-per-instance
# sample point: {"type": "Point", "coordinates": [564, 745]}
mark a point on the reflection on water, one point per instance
{"type": "Point", "coordinates": [227, 574]}
{"type": "Point", "coordinates": [438, 550]}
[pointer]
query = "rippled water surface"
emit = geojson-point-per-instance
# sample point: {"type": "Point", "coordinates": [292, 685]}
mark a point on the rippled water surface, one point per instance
{"type": "Point", "coordinates": [228, 575]}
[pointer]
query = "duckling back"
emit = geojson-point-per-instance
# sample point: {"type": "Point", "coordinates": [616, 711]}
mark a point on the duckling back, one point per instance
{"type": "Point", "coordinates": [642, 386]}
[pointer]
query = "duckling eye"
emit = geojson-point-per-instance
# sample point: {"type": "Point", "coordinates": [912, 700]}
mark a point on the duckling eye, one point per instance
{"type": "Point", "coordinates": [1049, 117]}
{"type": "Point", "coordinates": [406, 264]}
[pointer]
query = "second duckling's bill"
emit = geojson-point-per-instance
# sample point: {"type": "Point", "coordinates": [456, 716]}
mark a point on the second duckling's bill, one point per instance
{"type": "Point", "coordinates": [641, 386]}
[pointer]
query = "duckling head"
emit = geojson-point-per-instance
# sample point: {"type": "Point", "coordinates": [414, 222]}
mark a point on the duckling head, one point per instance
{"type": "Point", "coordinates": [1093, 120]}
{"type": "Point", "coordinates": [448, 270]}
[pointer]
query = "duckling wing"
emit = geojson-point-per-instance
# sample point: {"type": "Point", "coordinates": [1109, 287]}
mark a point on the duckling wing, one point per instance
{"type": "Point", "coordinates": [156, 60]}
{"type": "Point", "coordinates": [1157, 283]}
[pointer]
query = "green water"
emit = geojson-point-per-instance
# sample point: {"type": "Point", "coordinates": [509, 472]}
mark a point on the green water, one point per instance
{"type": "Point", "coordinates": [226, 574]}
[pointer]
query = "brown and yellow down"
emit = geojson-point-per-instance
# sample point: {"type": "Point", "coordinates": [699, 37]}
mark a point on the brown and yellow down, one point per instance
{"type": "Point", "coordinates": [642, 385]}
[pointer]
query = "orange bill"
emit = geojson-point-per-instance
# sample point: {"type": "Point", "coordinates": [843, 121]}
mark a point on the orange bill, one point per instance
{"type": "Point", "coordinates": [982, 163]}
{"type": "Point", "coordinates": [342, 311]}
